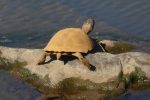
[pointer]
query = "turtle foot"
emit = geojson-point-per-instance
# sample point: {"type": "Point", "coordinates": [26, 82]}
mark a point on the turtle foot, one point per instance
{"type": "Point", "coordinates": [86, 63]}
{"type": "Point", "coordinates": [92, 68]}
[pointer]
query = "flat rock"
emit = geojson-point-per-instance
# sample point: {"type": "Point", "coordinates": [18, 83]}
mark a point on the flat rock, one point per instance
{"type": "Point", "coordinates": [106, 66]}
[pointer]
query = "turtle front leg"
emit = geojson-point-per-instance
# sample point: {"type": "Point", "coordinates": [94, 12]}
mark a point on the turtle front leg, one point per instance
{"type": "Point", "coordinates": [82, 59]}
{"type": "Point", "coordinates": [43, 58]}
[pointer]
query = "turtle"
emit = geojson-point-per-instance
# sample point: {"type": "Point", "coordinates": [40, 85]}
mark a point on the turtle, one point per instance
{"type": "Point", "coordinates": [70, 41]}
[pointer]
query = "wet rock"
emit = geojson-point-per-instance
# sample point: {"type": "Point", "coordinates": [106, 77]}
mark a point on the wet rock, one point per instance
{"type": "Point", "coordinates": [116, 47]}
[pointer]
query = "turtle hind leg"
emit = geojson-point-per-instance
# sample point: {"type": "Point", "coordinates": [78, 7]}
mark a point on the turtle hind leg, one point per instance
{"type": "Point", "coordinates": [58, 55]}
{"type": "Point", "coordinates": [82, 59]}
{"type": "Point", "coordinates": [43, 58]}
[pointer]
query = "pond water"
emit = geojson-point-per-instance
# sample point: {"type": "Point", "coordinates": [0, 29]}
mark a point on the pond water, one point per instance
{"type": "Point", "coordinates": [12, 88]}
{"type": "Point", "coordinates": [136, 95]}
{"type": "Point", "coordinates": [30, 24]}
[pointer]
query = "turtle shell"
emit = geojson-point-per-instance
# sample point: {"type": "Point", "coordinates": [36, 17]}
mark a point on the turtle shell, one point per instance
{"type": "Point", "coordinates": [70, 40]}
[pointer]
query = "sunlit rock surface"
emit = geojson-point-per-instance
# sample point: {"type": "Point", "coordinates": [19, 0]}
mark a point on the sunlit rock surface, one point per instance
{"type": "Point", "coordinates": [106, 66]}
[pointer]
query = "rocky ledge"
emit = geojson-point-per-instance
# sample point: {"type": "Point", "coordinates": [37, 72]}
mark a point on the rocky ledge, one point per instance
{"type": "Point", "coordinates": [106, 66]}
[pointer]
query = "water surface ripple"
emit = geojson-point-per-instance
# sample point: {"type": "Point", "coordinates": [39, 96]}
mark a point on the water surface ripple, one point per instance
{"type": "Point", "coordinates": [32, 22]}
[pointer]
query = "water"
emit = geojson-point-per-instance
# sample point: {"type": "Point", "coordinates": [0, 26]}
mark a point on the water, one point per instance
{"type": "Point", "coordinates": [32, 22]}
{"type": "Point", "coordinates": [136, 96]}
{"type": "Point", "coordinates": [12, 88]}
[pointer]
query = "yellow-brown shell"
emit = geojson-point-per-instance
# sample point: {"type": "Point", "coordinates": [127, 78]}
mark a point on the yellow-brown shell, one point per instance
{"type": "Point", "coordinates": [70, 40]}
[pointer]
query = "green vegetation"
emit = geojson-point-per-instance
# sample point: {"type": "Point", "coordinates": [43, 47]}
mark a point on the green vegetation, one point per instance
{"type": "Point", "coordinates": [71, 86]}
{"type": "Point", "coordinates": [67, 86]}
{"type": "Point", "coordinates": [24, 74]}
{"type": "Point", "coordinates": [110, 91]}
{"type": "Point", "coordinates": [7, 66]}
{"type": "Point", "coordinates": [16, 68]}
{"type": "Point", "coordinates": [134, 80]}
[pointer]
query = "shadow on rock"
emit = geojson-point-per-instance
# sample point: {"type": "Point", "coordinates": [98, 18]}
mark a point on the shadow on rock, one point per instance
{"type": "Point", "coordinates": [97, 47]}
{"type": "Point", "coordinates": [49, 97]}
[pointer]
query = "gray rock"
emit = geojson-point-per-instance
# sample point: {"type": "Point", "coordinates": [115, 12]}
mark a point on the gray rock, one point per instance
{"type": "Point", "coordinates": [131, 60]}
{"type": "Point", "coordinates": [107, 65]}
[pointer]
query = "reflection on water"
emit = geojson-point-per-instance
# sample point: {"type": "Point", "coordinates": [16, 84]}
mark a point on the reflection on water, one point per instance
{"type": "Point", "coordinates": [32, 22]}
{"type": "Point", "coordinates": [12, 88]}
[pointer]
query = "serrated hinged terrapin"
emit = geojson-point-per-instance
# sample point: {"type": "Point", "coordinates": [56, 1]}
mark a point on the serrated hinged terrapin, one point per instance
{"type": "Point", "coordinates": [71, 41]}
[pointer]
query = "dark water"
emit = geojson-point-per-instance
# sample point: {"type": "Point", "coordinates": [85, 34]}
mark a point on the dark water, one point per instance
{"type": "Point", "coordinates": [30, 23]}
{"type": "Point", "coordinates": [33, 22]}
{"type": "Point", "coordinates": [12, 88]}
{"type": "Point", "coordinates": [136, 96]}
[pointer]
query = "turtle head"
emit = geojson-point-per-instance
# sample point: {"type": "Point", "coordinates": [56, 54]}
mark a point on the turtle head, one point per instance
{"type": "Point", "coordinates": [88, 25]}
